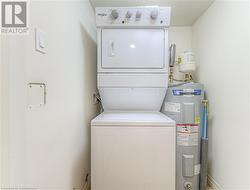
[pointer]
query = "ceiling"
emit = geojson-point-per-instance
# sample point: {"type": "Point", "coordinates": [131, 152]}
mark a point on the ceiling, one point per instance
{"type": "Point", "coordinates": [184, 12]}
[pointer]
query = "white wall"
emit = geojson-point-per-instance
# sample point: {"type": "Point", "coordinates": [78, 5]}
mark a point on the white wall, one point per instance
{"type": "Point", "coordinates": [48, 147]}
{"type": "Point", "coordinates": [182, 37]}
{"type": "Point", "coordinates": [221, 43]}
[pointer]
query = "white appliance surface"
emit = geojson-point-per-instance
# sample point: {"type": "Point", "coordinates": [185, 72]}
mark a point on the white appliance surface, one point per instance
{"type": "Point", "coordinates": [131, 80]}
{"type": "Point", "coordinates": [121, 118]}
{"type": "Point", "coordinates": [132, 151]}
{"type": "Point", "coordinates": [132, 99]}
{"type": "Point", "coordinates": [133, 57]}
{"type": "Point", "coordinates": [153, 16]}
{"type": "Point", "coordinates": [133, 48]}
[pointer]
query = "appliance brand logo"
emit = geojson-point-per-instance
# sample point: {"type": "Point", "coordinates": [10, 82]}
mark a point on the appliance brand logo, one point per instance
{"type": "Point", "coordinates": [102, 14]}
{"type": "Point", "coordinates": [14, 17]}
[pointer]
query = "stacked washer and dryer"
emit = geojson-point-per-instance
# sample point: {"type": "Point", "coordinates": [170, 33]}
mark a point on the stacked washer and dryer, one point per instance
{"type": "Point", "coordinates": [133, 144]}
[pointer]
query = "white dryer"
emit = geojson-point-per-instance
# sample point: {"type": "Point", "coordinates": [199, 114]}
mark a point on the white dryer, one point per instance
{"type": "Point", "coordinates": [133, 58]}
{"type": "Point", "coordinates": [132, 143]}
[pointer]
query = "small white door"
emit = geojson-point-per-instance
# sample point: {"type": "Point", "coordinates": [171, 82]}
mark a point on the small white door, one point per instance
{"type": "Point", "coordinates": [133, 48]}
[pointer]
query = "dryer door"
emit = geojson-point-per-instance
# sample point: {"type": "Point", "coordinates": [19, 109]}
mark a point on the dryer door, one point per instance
{"type": "Point", "coordinates": [133, 48]}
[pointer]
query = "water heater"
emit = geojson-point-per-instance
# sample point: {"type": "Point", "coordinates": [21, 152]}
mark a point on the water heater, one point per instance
{"type": "Point", "coordinates": [183, 103]}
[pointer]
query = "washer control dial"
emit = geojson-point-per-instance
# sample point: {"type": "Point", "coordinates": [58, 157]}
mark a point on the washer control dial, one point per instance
{"type": "Point", "coordinates": [128, 15]}
{"type": "Point", "coordinates": [138, 15]}
{"type": "Point", "coordinates": [114, 14]}
{"type": "Point", "coordinates": [154, 14]}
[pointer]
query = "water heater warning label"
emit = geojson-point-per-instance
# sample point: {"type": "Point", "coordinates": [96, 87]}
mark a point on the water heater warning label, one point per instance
{"type": "Point", "coordinates": [187, 134]}
{"type": "Point", "coordinates": [172, 107]}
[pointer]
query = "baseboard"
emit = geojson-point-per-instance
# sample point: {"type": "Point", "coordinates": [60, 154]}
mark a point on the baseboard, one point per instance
{"type": "Point", "coordinates": [212, 183]}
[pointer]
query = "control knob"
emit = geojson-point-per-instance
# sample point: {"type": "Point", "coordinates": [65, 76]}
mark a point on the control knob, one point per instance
{"type": "Point", "coordinates": [114, 14]}
{"type": "Point", "coordinates": [154, 14]}
{"type": "Point", "coordinates": [138, 15]}
{"type": "Point", "coordinates": [128, 15]}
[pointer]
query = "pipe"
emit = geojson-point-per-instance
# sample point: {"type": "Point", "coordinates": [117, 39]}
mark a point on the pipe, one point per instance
{"type": "Point", "coordinates": [204, 149]}
{"type": "Point", "coordinates": [205, 102]}
{"type": "Point", "coordinates": [172, 50]}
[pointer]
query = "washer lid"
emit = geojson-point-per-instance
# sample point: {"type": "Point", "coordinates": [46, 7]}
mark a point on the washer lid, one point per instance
{"type": "Point", "coordinates": [152, 119]}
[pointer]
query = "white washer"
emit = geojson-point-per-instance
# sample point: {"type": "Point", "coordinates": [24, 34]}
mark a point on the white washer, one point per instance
{"type": "Point", "coordinates": [132, 151]}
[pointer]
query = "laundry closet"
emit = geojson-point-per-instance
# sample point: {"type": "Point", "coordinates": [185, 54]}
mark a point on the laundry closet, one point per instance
{"type": "Point", "coordinates": [124, 95]}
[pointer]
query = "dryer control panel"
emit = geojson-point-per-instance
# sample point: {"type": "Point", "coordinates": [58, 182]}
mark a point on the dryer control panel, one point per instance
{"type": "Point", "coordinates": [152, 17]}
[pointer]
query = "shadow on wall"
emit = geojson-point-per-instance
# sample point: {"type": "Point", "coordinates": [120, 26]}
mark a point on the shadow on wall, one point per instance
{"type": "Point", "coordinates": [82, 164]}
